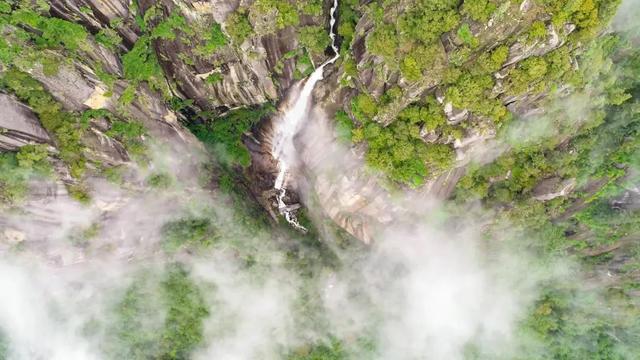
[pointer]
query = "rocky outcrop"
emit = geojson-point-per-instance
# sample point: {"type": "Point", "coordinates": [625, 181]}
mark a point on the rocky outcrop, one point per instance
{"type": "Point", "coordinates": [251, 73]}
{"type": "Point", "coordinates": [18, 125]}
{"type": "Point", "coordinates": [102, 13]}
{"type": "Point", "coordinates": [78, 88]}
{"type": "Point", "coordinates": [552, 188]}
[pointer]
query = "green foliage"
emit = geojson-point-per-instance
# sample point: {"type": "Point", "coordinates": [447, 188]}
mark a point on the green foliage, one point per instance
{"type": "Point", "coordinates": [79, 193]}
{"type": "Point", "coordinates": [473, 92]}
{"type": "Point", "coordinates": [431, 116]}
{"type": "Point", "coordinates": [141, 63]}
{"type": "Point", "coordinates": [186, 310]}
{"type": "Point", "coordinates": [344, 126]}
{"type": "Point", "coordinates": [214, 78]}
{"type": "Point", "coordinates": [168, 27]}
{"type": "Point", "coordinates": [128, 95]}
{"type": "Point", "coordinates": [4, 344]}
{"type": "Point", "coordinates": [238, 26]}
{"type": "Point", "coordinates": [50, 65]}
{"type": "Point", "coordinates": [134, 328]}
{"type": "Point", "coordinates": [34, 157]}
{"type": "Point", "coordinates": [109, 38]}
{"type": "Point", "coordinates": [364, 107]}
{"type": "Point", "coordinates": [314, 38]}
{"type": "Point", "coordinates": [13, 185]}
{"type": "Point", "coordinates": [570, 324]}
{"type": "Point", "coordinates": [420, 59]}
{"type": "Point", "coordinates": [8, 52]}
{"type": "Point", "coordinates": [538, 31]}
{"type": "Point", "coordinates": [347, 21]}
{"type": "Point", "coordinates": [383, 41]}
{"type": "Point", "coordinates": [129, 133]}
{"type": "Point", "coordinates": [158, 321]}
{"type": "Point", "coordinates": [223, 136]}
{"type": "Point", "coordinates": [64, 126]}
{"type": "Point", "coordinates": [285, 13]}
{"type": "Point", "coordinates": [249, 218]}
{"type": "Point", "coordinates": [607, 224]}
{"type": "Point", "coordinates": [428, 19]}
{"type": "Point", "coordinates": [331, 351]}
{"type": "Point", "coordinates": [52, 32]}
{"type": "Point", "coordinates": [588, 15]}
{"type": "Point", "coordinates": [214, 39]}
{"type": "Point", "coordinates": [126, 131]}
{"type": "Point", "coordinates": [160, 180]}
{"type": "Point", "coordinates": [113, 174]}
{"type": "Point", "coordinates": [304, 66]}
{"type": "Point", "coordinates": [81, 236]}
{"type": "Point", "coordinates": [490, 62]}
{"type": "Point", "coordinates": [538, 73]}
{"type": "Point", "coordinates": [594, 153]}
{"type": "Point", "coordinates": [310, 7]}
{"type": "Point", "coordinates": [190, 233]}
{"type": "Point", "coordinates": [465, 34]}
{"type": "Point", "coordinates": [479, 10]}
{"type": "Point", "coordinates": [398, 149]}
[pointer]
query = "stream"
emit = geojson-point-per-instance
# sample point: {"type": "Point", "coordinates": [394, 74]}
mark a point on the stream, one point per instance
{"type": "Point", "coordinates": [283, 150]}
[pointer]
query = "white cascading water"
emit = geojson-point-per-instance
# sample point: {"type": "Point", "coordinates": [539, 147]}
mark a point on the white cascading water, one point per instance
{"type": "Point", "coordinates": [282, 149]}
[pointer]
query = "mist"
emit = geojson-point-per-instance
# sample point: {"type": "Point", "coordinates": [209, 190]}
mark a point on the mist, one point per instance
{"type": "Point", "coordinates": [426, 287]}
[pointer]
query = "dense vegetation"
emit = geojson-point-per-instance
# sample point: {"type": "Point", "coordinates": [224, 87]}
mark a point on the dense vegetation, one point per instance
{"type": "Point", "coordinates": [398, 149]}
{"type": "Point", "coordinates": [599, 155]}
{"type": "Point", "coordinates": [224, 134]}
{"type": "Point", "coordinates": [17, 168]}
{"type": "Point", "coordinates": [162, 320]}
{"type": "Point", "coordinates": [409, 41]}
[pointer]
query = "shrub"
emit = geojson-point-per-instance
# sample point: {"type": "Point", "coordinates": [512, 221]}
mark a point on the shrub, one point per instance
{"type": "Point", "coordinates": [158, 320]}
{"type": "Point", "coordinates": [465, 34]}
{"type": "Point", "coordinates": [538, 31]}
{"type": "Point", "coordinates": [141, 63]}
{"type": "Point", "coordinates": [160, 180]}
{"type": "Point", "coordinates": [314, 38]}
{"type": "Point", "coordinates": [214, 78]}
{"type": "Point", "coordinates": [478, 10]}
{"type": "Point", "coordinates": [186, 310]}
{"type": "Point", "coordinates": [223, 136]}
{"type": "Point", "coordinates": [109, 38]}
{"type": "Point", "coordinates": [286, 13]}
{"type": "Point", "coordinates": [364, 107]}
{"type": "Point", "coordinates": [344, 126]}
{"type": "Point", "coordinates": [190, 233]}
{"type": "Point", "coordinates": [168, 27]}
{"type": "Point", "coordinates": [65, 127]}
{"type": "Point", "coordinates": [383, 41]}
{"type": "Point", "coordinates": [238, 26]}
{"type": "Point", "coordinates": [214, 39]}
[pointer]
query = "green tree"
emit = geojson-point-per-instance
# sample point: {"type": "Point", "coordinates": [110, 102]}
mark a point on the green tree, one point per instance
{"type": "Point", "coordinates": [238, 26]}
{"type": "Point", "coordinates": [314, 38]}
{"type": "Point", "coordinates": [478, 10]}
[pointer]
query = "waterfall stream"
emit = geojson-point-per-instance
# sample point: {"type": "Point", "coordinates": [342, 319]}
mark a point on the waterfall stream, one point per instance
{"type": "Point", "coordinates": [283, 149]}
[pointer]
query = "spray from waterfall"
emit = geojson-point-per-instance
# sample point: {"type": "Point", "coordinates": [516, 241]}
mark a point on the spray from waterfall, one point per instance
{"type": "Point", "coordinates": [283, 149]}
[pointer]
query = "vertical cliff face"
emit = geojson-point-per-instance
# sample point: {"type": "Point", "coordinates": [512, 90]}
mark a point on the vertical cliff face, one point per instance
{"type": "Point", "coordinates": [442, 95]}
{"type": "Point", "coordinates": [454, 85]}
{"type": "Point", "coordinates": [201, 62]}
{"type": "Point", "coordinates": [20, 125]}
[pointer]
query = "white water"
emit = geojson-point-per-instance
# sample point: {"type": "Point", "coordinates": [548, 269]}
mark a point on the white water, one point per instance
{"type": "Point", "coordinates": [283, 149]}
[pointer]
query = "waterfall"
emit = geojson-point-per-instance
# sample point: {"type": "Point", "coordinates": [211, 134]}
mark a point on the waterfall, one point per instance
{"type": "Point", "coordinates": [282, 149]}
